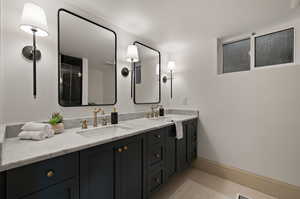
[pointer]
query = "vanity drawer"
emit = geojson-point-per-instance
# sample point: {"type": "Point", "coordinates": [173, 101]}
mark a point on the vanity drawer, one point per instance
{"type": "Point", "coordinates": [155, 180]}
{"type": "Point", "coordinates": [155, 155]}
{"type": "Point", "coordinates": [28, 179]}
{"type": "Point", "coordinates": [156, 137]}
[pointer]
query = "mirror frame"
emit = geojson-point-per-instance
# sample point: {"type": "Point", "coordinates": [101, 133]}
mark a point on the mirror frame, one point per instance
{"type": "Point", "coordinates": [59, 61]}
{"type": "Point", "coordinates": [134, 93]}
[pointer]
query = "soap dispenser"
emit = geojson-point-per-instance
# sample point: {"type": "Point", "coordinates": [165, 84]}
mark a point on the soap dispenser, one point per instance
{"type": "Point", "coordinates": [161, 111]}
{"type": "Point", "coordinates": [114, 116]}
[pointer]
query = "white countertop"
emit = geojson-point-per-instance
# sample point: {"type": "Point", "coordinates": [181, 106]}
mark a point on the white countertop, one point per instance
{"type": "Point", "coordinates": [16, 152]}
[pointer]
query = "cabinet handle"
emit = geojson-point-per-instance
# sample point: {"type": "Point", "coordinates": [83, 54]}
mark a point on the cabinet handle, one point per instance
{"type": "Point", "coordinates": [157, 155]}
{"type": "Point", "coordinates": [50, 174]}
{"type": "Point", "coordinates": [157, 180]}
{"type": "Point", "coordinates": [158, 136]}
{"type": "Point", "coordinates": [120, 150]}
{"type": "Point", "coordinates": [125, 148]}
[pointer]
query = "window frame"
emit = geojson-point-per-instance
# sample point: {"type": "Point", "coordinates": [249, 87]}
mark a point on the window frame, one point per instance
{"type": "Point", "coordinates": [232, 42]}
{"type": "Point", "coordinates": [266, 33]}
{"type": "Point", "coordinates": [252, 53]}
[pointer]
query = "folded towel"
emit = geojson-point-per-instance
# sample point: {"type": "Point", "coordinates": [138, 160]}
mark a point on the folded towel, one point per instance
{"type": "Point", "coordinates": [32, 135]}
{"type": "Point", "coordinates": [179, 129]}
{"type": "Point", "coordinates": [34, 126]}
{"type": "Point", "coordinates": [36, 131]}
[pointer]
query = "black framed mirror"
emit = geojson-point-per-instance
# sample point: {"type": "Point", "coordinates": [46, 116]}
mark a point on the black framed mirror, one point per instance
{"type": "Point", "coordinates": [147, 75]}
{"type": "Point", "coordinates": [87, 62]}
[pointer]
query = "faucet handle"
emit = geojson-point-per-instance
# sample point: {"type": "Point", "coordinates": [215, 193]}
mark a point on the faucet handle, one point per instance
{"type": "Point", "coordinates": [97, 110]}
{"type": "Point", "coordinates": [84, 124]}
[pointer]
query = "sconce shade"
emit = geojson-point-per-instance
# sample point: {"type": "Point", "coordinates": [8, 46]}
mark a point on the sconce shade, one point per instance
{"type": "Point", "coordinates": [171, 65]}
{"type": "Point", "coordinates": [132, 54]}
{"type": "Point", "coordinates": [34, 19]}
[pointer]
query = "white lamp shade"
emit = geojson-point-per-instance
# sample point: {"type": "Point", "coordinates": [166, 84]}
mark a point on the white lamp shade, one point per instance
{"type": "Point", "coordinates": [132, 54]}
{"type": "Point", "coordinates": [171, 65]}
{"type": "Point", "coordinates": [34, 18]}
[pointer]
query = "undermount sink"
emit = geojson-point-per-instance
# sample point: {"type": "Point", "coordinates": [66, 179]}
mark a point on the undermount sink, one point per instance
{"type": "Point", "coordinates": [104, 131]}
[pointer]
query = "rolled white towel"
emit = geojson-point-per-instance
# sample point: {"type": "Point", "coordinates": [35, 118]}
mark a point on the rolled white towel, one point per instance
{"type": "Point", "coordinates": [34, 126]}
{"type": "Point", "coordinates": [33, 135]}
{"type": "Point", "coordinates": [40, 128]}
{"type": "Point", "coordinates": [179, 129]}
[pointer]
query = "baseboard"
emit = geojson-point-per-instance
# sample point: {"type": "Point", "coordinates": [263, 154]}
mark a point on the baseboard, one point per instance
{"type": "Point", "coordinates": [269, 186]}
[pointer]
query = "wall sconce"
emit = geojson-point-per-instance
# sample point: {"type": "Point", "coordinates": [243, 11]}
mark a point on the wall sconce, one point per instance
{"type": "Point", "coordinates": [34, 21]}
{"type": "Point", "coordinates": [132, 57]}
{"type": "Point", "coordinates": [171, 67]}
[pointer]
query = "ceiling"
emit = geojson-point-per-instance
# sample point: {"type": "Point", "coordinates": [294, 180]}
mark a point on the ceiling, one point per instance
{"type": "Point", "coordinates": [179, 21]}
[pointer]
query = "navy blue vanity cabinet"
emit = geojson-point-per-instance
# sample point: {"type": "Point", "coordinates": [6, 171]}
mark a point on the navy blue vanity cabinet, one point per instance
{"type": "Point", "coordinates": [65, 190]}
{"type": "Point", "coordinates": [170, 152]}
{"type": "Point", "coordinates": [2, 185]}
{"type": "Point", "coordinates": [182, 151]}
{"type": "Point", "coordinates": [155, 159]}
{"type": "Point", "coordinates": [131, 168]}
{"type": "Point", "coordinates": [192, 136]}
{"type": "Point", "coordinates": [54, 177]}
{"type": "Point", "coordinates": [129, 171]}
{"type": "Point", "coordinates": [97, 172]}
{"type": "Point", "coordinates": [113, 171]}
{"type": "Point", "coordinates": [186, 148]}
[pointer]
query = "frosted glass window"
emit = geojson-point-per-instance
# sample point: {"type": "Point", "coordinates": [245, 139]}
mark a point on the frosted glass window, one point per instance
{"type": "Point", "coordinates": [236, 56]}
{"type": "Point", "coordinates": [275, 48]}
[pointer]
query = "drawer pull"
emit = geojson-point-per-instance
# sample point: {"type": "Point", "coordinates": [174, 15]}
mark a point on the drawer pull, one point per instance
{"type": "Point", "coordinates": [158, 136]}
{"type": "Point", "coordinates": [50, 174]}
{"type": "Point", "coordinates": [120, 150]}
{"type": "Point", "coordinates": [157, 155]}
{"type": "Point", "coordinates": [125, 148]}
{"type": "Point", "coordinates": [157, 180]}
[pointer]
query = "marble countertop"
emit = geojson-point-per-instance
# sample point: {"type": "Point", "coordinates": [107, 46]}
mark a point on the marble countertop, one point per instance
{"type": "Point", "coordinates": [16, 152]}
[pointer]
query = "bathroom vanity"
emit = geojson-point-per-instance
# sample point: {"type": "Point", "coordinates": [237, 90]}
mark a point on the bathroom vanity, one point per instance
{"type": "Point", "coordinates": [133, 165]}
{"type": "Point", "coordinates": [131, 160]}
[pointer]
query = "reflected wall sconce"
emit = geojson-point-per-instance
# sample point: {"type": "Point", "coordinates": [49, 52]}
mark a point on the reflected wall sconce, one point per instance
{"type": "Point", "coordinates": [34, 22]}
{"type": "Point", "coordinates": [132, 57]}
{"type": "Point", "coordinates": [171, 67]}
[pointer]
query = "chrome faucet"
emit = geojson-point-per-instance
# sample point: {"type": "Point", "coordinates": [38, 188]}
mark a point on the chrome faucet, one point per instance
{"type": "Point", "coordinates": [96, 111]}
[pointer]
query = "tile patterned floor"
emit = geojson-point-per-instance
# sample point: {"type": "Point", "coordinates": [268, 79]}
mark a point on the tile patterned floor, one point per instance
{"type": "Point", "coordinates": [195, 184]}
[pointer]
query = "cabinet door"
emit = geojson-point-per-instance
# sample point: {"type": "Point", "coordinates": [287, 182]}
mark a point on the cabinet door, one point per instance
{"type": "Point", "coordinates": [2, 186]}
{"type": "Point", "coordinates": [170, 154]}
{"type": "Point", "coordinates": [129, 168]}
{"type": "Point", "coordinates": [192, 132]}
{"type": "Point", "coordinates": [66, 190]}
{"type": "Point", "coordinates": [182, 150]}
{"type": "Point", "coordinates": [97, 173]}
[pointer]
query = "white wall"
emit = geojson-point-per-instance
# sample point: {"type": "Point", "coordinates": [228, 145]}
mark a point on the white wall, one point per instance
{"type": "Point", "coordinates": [1, 65]}
{"type": "Point", "coordinates": [249, 120]}
{"type": "Point", "coordinates": [18, 100]}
